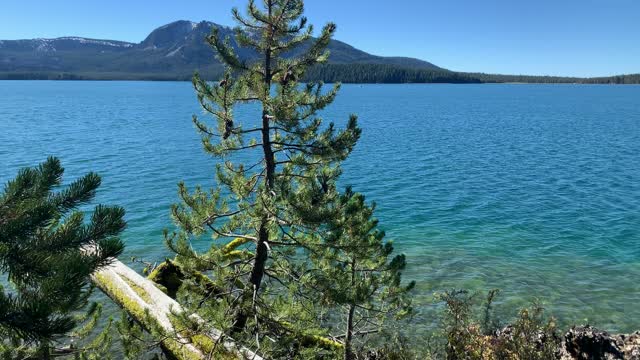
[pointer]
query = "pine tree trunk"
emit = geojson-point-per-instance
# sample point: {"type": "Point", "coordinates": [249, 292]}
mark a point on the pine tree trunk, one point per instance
{"type": "Point", "coordinates": [348, 346]}
{"type": "Point", "coordinates": [262, 249]}
{"type": "Point", "coordinates": [257, 273]}
{"type": "Point", "coordinates": [270, 161]}
{"type": "Point", "coordinates": [348, 351]}
{"type": "Point", "coordinates": [262, 254]}
{"type": "Point", "coordinates": [266, 128]}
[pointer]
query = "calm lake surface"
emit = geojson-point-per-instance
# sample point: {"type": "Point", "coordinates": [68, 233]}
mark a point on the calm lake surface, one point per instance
{"type": "Point", "coordinates": [532, 189]}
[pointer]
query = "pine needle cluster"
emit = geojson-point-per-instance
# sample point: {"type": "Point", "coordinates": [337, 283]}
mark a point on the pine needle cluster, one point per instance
{"type": "Point", "coordinates": [48, 252]}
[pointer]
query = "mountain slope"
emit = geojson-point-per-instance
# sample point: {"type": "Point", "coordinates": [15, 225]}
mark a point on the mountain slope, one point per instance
{"type": "Point", "coordinates": [174, 50]}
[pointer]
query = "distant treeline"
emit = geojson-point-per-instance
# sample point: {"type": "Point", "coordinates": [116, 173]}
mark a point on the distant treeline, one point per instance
{"type": "Point", "coordinates": [494, 78]}
{"type": "Point", "coordinates": [93, 76]}
{"type": "Point", "coordinates": [346, 73]}
{"type": "Point", "coordinates": [378, 73]}
{"type": "Point", "coordinates": [386, 74]}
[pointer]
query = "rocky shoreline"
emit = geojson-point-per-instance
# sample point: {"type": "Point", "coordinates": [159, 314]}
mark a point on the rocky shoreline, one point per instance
{"type": "Point", "coordinates": [587, 342]}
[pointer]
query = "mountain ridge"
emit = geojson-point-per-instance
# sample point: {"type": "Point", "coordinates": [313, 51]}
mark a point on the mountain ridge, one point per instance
{"type": "Point", "coordinates": [177, 48]}
{"type": "Point", "coordinates": [174, 51]}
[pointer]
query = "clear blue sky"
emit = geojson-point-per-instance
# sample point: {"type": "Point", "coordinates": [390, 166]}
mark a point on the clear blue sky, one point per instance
{"type": "Point", "coordinates": [555, 37]}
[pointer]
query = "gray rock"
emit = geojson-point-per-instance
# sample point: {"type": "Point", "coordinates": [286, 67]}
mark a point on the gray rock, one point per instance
{"type": "Point", "coordinates": [589, 343]}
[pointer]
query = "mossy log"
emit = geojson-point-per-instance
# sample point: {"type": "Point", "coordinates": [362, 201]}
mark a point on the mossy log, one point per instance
{"type": "Point", "coordinates": [169, 276]}
{"type": "Point", "coordinates": [154, 309]}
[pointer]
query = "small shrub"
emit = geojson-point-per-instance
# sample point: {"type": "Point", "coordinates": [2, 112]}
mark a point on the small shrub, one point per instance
{"type": "Point", "coordinates": [532, 336]}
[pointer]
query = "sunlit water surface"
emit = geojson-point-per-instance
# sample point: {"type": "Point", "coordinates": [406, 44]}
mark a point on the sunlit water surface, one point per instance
{"type": "Point", "coordinates": [532, 189]}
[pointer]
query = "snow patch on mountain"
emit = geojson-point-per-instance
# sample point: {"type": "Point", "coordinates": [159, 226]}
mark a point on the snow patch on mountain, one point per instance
{"type": "Point", "coordinates": [44, 45]}
{"type": "Point", "coordinates": [96, 42]}
{"type": "Point", "coordinates": [174, 52]}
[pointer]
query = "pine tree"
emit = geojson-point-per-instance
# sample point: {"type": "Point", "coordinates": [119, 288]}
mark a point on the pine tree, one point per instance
{"type": "Point", "coordinates": [356, 274]}
{"type": "Point", "coordinates": [48, 252]}
{"type": "Point", "coordinates": [266, 209]}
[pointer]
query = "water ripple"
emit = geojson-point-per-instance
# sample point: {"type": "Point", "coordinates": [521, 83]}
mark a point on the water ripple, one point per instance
{"type": "Point", "coordinates": [531, 189]}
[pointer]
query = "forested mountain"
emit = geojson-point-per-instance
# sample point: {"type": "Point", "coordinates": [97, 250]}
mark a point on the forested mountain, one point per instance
{"type": "Point", "coordinates": [174, 51]}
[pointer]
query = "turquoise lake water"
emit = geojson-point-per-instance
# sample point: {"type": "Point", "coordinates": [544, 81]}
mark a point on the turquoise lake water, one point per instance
{"type": "Point", "coordinates": [533, 189]}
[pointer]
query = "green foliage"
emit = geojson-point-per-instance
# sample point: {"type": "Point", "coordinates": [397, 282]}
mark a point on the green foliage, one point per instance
{"type": "Point", "coordinates": [135, 342]}
{"type": "Point", "coordinates": [274, 202]}
{"type": "Point", "coordinates": [396, 347]}
{"type": "Point", "coordinates": [280, 228]}
{"type": "Point", "coordinates": [132, 337]}
{"type": "Point", "coordinates": [98, 347]}
{"type": "Point", "coordinates": [472, 335]}
{"type": "Point", "coordinates": [355, 275]}
{"type": "Point", "coordinates": [48, 252]}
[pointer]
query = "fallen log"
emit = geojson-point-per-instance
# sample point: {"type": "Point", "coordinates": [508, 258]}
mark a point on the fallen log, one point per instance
{"type": "Point", "coordinates": [153, 309]}
{"type": "Point", "coordinates": [169, 276]}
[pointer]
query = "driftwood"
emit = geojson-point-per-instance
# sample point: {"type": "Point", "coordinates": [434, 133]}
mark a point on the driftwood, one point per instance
{"type": "Point", "coordinates": [153, 309]}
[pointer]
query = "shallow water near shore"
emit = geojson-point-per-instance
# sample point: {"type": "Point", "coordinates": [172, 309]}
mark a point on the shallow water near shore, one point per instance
{"type": "Point", "coordinates": [532, 189]}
